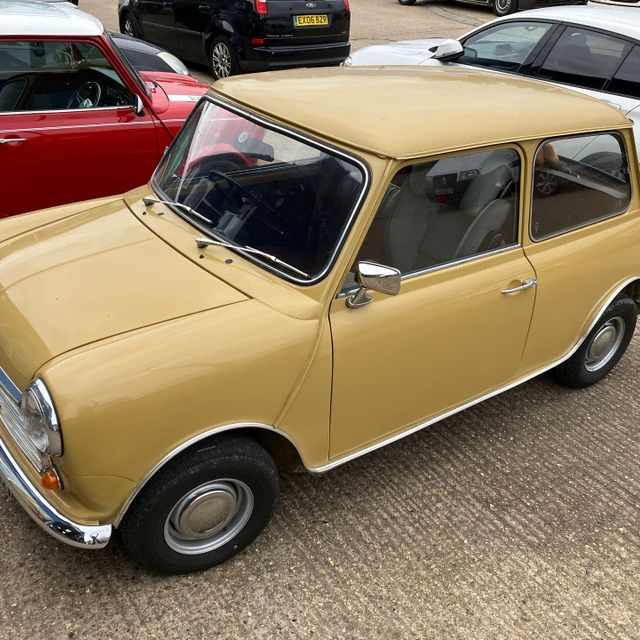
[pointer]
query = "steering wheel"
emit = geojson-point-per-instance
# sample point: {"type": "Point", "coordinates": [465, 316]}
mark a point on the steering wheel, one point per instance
{"type": "Point", "coordinates": [86, 96]}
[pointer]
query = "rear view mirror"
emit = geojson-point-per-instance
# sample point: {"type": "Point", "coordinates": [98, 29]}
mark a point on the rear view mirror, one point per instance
{"type": "Point", "coordinates": [447, 51]}
{"type": "Point", "coordinates": [139, 106]}
{"type": "Point", "coordinates": [374, 277]}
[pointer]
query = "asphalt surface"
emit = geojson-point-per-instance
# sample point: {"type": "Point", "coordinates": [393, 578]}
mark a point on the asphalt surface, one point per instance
{"type": "Point", "coordinates": [517, 518]}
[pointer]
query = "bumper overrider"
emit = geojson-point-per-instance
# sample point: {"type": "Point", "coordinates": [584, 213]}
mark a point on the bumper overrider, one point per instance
{"type": "Point", "coordinates": [34, 502]}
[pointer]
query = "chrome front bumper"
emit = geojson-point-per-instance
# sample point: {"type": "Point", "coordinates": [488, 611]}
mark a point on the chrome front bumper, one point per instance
{"type": "Point", "coordinates": [35, 504]}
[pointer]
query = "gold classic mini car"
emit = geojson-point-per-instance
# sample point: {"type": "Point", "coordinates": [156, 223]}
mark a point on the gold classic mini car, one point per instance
{"type": "Point", "coordinates": [363, 255]}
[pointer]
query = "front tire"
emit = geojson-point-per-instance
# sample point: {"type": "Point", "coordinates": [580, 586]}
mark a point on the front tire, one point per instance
{"type": "Point", "coordinates": [407, 3]}
{"type": "Point", "coordinates": [223, 58]}
{"type": "Point", "coordinates": [602, 348]}
{"type": "Point", "coordinates": [203, 507]}
{"type": "Point", "coordinates": [130, 26]}
{"type": "Point", "coordinates": [504, 7]}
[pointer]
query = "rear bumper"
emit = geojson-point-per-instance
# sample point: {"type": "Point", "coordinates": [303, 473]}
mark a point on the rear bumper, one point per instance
{"type": "Point", "coordinates": [44, 514]}
{"type": "Point", "coordinates": [262, 58]}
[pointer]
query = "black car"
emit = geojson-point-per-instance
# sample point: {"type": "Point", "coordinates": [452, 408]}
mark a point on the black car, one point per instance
{"type": "Point", "coordinates": [232, 36]}
{"type": "Point", "coordinates": [147, 57]}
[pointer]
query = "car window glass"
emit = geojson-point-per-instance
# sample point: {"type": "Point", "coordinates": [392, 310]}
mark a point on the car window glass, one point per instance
{"type": "Point", "coordinates": [45, 76]}
{"type": "Point", "coordinates": [584, 58]}
{"type": "Point", "coordinates": [505, 46]}
{"type": "Point", "coordinates": [626, 82]}
{"type": "Point", "coordinates": [578, 181]}
{"type": "Point", "coordinates": [446, 210]}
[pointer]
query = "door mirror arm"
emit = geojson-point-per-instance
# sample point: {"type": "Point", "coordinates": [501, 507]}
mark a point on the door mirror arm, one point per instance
{"type": "Point", "coordinates": [374, 277]}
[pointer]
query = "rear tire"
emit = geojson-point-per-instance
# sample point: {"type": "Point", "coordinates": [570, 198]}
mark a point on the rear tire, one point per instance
{"type": "Point", "coordinates": [223, 58]}
{"type": "Point", "coordinates": [602, 348]}
{"type": "Point", "coordinates": [203, 507]}
{"type": "Point", "coordinates": [407, 3]}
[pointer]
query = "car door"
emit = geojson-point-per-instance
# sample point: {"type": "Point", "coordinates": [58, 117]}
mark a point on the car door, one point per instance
{"type": "Point", "coordinates": [158, 23]}
{"type": "Point", "coordinates": [193, 17]}
{"type": "Point", "coordinates": [457, 329]}
{"type": "Point", "coordinates": [68, 127]}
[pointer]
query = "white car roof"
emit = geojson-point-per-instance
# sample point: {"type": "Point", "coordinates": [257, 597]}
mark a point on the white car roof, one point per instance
{"type": "Point", "coordinates": [624, 21]}
{"type": "Point", "coordinates": [35, 18]}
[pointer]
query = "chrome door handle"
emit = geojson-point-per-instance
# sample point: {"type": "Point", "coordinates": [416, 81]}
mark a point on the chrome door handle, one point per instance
{"type": "Point", "coordinates": [526, 284]}
{"type": "Point", "coordinates": [9, 140]}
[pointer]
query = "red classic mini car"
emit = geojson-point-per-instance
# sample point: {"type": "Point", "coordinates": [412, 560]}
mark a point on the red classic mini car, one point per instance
{"type": "Point", "coordinates": [76, 120]}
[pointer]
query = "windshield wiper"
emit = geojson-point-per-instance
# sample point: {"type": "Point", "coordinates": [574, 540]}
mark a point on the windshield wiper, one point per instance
{"type": "Point", "coordinates": [148, 201]}
{"type": "Point", "coordinates": [201, 243]}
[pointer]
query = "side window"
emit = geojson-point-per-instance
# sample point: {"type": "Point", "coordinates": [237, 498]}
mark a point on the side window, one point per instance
{"type": "Point", "coordinates": [626, 82]}
{"type": "Point", "coordinates": [584, 58]}
{"type": "Point", "coordinates": [505, 46]}
{"type": "Point", "coordinates": [54, 76]}
{"type": "Point", "coordinates": [446, 210]}
{"type": "Point", "coordinates": [578, 181]}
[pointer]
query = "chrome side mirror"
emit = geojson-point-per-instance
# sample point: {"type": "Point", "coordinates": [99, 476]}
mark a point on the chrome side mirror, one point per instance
{"type": "Point", "coordinates": [374, 277]}
{"type": "Point", "coordinates": [447, 50]}
{"type": "Point", "coordinates": [139, 106]}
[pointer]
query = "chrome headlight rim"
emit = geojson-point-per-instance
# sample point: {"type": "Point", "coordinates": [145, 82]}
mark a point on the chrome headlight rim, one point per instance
{"type": "Point", "coordinates": [37, 404]}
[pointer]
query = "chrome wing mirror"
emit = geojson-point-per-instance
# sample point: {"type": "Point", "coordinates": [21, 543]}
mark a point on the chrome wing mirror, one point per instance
{"type": "Point", "coordinates": [139, 106]}
{"type": "Point", "coordinates": [374, 277]}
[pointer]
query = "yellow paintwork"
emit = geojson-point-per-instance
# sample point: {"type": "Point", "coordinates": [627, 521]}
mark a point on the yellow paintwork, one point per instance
{"type": "Point", "coordinates": [146, 342]}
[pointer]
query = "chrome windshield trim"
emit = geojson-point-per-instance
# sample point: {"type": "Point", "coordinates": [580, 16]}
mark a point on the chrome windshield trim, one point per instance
{"type": "Point", "coordinates": [10, 387]}
{"type": "Point", "coordinates": [443, 416]}
{"type": "Point", "coordinates": [297, 135]}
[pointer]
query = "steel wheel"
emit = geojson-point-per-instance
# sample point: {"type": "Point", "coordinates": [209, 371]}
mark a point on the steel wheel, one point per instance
{"type": "Point", "coordinates": [504, 7]}
{"type": "Point", "coordinates": [604, 344]}
{"type": "Point", "coordinates": [208, 516]}
{"type": "Point", "coordinates": [223, 59]}
{"type": "Point", "coordinates": [602, 348]}
{"type": "Point", "coordinates": [203, 507]}
{"type": "Point", "coordinates": [545, 184]}
{"type": "Point", "coordinates": [129, 27]}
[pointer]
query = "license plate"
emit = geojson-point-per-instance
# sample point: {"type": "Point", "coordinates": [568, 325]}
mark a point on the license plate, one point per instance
{"type": "Point", "coordinates": [311, 21]}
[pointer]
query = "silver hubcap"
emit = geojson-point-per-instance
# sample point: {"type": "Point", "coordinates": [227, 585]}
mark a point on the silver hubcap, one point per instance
{"type": "Point", "coordinates": [128, 27]}
{"type": "Point", "coordinates": [605, 344]}
{"type": "Point", "coordinates": [208, 516]}
{"type": "Point", "coordinates": [221, 60]}
{"type": "Point", "coordinates": [503, 5]}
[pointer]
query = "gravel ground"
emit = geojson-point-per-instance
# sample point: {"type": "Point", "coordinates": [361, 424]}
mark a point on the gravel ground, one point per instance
{"type": "Point", "coordinates": [517, 518]}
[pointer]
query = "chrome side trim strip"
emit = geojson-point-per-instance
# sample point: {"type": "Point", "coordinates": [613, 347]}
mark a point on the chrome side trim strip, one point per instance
{"type": "Point", "coordinates": [398, 436]}
{"type": "Point", "coordinates": [43, 513]}
{"type": "Point", "coordinates": [48, 111]}
{"type": "Point", "coordinates": [352, 456]}
{"type": "Point", "coordinates": [188, 443]}
{"type": "Point", "coordinates": [10, 387]}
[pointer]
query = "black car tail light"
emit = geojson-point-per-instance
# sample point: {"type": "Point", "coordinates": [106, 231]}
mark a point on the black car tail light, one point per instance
{"type": "Point", "coordinates": [260, 6]}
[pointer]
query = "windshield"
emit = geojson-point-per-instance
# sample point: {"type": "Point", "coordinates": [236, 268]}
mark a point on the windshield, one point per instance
{"type": "Point", "coordinates": [252, 186]}
{"type": "Point", "coordinates": [139, 81]}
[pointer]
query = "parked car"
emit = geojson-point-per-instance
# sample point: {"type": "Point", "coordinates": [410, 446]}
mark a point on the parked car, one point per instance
{"type": "Point", "coordinates": [147, 57]}
{"type": "Point", "coordinates": [240, 312]}
{"type": "Point", "coordinates": [505, 7]}
{"type": "Point", "coordinates": [74, 114]}
{"type": "Point", "coordinates": [252, 35]}
{"type": "Point", "coordinates": [593, 49]}
{"type": "Point", "coordinates": [620, 3]}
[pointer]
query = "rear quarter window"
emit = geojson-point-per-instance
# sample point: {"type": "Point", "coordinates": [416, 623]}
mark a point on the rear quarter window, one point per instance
{"type": "Point", "coordinates": [578, 181]}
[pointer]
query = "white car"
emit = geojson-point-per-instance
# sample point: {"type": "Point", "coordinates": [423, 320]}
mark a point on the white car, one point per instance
{"type": "Point", "coordinates": [594, 49]}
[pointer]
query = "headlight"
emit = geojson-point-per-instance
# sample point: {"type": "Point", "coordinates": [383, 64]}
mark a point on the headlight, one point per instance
{"type": "Point", "coordinates": [40, 420]}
